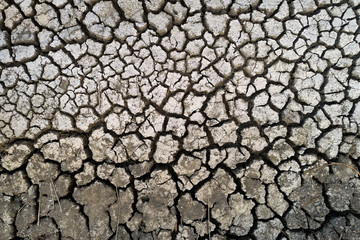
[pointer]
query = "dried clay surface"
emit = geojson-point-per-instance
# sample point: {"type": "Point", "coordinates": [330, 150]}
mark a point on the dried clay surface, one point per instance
{"type": "Point", "coordinates": [180, 119]}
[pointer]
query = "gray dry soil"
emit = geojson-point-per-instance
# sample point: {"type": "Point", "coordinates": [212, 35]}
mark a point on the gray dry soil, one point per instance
{"type": "Point", "coordinates": [188, 119]}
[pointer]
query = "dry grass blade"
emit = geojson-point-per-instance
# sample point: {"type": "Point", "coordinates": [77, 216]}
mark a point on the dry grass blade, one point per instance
{"type": "Point", "coordinates": [175, 227]}
{"type": "Point", "coordinates": [38, 216]}
{"type": "Point", "coordinates": [118, 213]}
{"type": "Point", "coordinates": [21, 208]}
{"type": "Point", "coordinates": [284, 233]}
{"type": "Point", "coordinates": [310, 201]}
{"type": "Point", "coordinates": [208, 218]}
{"type": "Point", "coordinates": [307, 203]}
{"type": "Point", "coordinates": [99, 93]}
{"type": "Point", "coordinates": [346, 165]}
{"type": "Point", "coordinates": [56, 195]}
{"type": "Point", "coordinates": [279, 229]}
{"type": "Point", "coordinates": [335, 163]}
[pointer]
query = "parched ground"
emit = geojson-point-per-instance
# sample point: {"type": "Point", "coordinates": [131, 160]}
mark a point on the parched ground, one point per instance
{"type": "Point", "coordinates": [190, 119]}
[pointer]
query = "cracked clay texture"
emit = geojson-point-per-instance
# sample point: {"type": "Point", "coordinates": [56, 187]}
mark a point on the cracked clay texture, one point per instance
{"type": "Point", "coordinates": [180, 119]}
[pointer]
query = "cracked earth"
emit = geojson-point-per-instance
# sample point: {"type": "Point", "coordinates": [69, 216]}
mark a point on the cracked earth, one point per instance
{"type": "Point", "coordinates": [190, 119]}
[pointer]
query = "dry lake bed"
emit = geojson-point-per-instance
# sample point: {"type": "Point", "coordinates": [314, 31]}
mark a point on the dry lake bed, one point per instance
{"type": "Point", "coordinates": [188, 119]}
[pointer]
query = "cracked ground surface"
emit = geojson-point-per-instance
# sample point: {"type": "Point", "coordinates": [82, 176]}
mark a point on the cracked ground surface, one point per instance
{"type": "Point", "coordinates": [189, 119]}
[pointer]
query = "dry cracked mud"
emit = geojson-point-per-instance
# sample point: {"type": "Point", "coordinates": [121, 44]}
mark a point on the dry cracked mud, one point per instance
{"type": "Point", "coordinates": [180, 119]}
